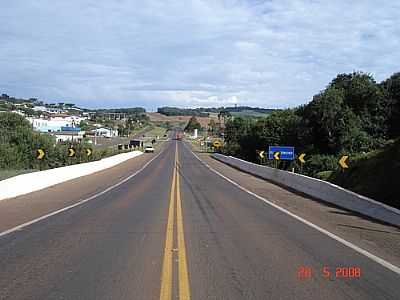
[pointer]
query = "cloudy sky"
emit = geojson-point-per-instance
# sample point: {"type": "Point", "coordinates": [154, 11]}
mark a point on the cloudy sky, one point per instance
{"type": "Point", "coordinates": [188, 53]}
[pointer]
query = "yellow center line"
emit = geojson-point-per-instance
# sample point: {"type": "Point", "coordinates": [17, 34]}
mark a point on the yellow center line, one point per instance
{"type": "Point", "coordinates": [184, 289]}
{"type": "Point", "coordinates": [167, 269]}
{"type": "Point", "coordinates": [166, 275]}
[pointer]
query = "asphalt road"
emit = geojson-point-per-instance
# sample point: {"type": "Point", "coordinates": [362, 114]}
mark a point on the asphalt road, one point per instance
{"type": "Point", "coordinates": [175, 230]}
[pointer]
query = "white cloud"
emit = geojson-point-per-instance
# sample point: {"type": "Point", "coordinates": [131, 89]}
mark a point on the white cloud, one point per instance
{"type": "Point", "coordinates": [192, 53]}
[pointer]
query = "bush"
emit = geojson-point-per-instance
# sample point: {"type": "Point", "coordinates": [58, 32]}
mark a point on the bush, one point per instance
{"type": "Point", "coordinates": [19, 143]}
{"type": "Point", "coordinates": [320, 163]}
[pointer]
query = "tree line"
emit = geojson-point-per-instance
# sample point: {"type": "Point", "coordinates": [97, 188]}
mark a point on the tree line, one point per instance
{"type": "Point", "coordinates": [353, 114]}
{"type": "Point", "coordinates": [205, 111]}
{"type": "Point", "coordinates": [175, 111]}
{"type": "Point", "coordinates": [19, 143]}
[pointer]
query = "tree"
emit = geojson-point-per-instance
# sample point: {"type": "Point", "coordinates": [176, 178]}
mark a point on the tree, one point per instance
{"type": "Point", "coordinates": [334, 126]}
{"type": "Point", "coordinates": [212, 127]}
{"type": "Point", "coordinates": [224, 115]}
{"type": "Point", "coordinates": [193, 124]}
{"type": "Point", "coordinates": [19, 142]}
{"type": "Point", "coordinates": [280, 128]}
{"type": "Point", "coordinates": [391, 89]}
{"type": "Point", "coordinates": [122, 130]}
{"type": "Point", "coordinates": [83, 125]}
{"type": "Point", "coordinates": [236, 130]}
{"type": "Point", "coordinates": [366, 99]}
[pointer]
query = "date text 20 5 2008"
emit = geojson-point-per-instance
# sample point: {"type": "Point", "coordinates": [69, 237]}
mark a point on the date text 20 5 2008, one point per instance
{"type": "Point", "coordinates": [305, 272]}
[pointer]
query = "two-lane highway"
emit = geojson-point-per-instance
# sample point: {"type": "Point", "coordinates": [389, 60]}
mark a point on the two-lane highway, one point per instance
{"type": "Point", "coordinates": [178, 230]}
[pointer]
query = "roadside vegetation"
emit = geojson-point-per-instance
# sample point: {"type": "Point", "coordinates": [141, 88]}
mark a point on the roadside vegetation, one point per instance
{"type": "Point", "coordinates": [193, 124]}
{"type": "Point", "coordinates": [353, 116]}
{"type": "Point", "coordinates": [374, 174]}
{"type": "Point", "coordinates": [19, 143]}
{"type": "Point", "coordinates": [156, 131]}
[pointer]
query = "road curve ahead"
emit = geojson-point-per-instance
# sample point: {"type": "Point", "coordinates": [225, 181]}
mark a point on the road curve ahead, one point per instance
{"type": "Point", "coordinates": [177, 230]}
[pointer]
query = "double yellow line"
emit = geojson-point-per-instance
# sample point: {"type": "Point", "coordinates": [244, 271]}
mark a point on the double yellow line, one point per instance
{"type": "Point", "coordinates": [167, 269]}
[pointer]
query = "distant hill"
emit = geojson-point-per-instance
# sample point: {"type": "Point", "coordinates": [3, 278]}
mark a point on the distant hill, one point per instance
{"type": "Point", "coordinates": [205, 111]}
{"type": "Point", "coordinates": [247, 109]}
{"type": "Point", "coordinates": [175, 111]}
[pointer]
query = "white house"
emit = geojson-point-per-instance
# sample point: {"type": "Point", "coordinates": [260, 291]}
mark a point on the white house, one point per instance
{"type": "Point", "coordinates": [40, 108]}
{"type": "Point", "coordinates": [105, 132]}
{"type": "Point", "coordinates": [55, 124]}
{"type": "Point", "coordinates": [69, 136]}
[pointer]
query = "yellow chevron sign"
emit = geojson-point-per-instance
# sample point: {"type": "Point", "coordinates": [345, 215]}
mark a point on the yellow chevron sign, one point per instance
{"type": "Point", "coordinates": [261, 154]}
{"type": "Point", "coordinates": [217, 144]}
{"type": "Point", "coordinates": [277, 155]}
{"type": "Point", "coordinates": [88, 151]}
{"type": "Point", "coordinates": [71, 152]}
{"type": "Point", "coordinates": [40, 153]}
{"type": "Point", "coordinates": [343, 163]}
{"type": "Point", "coordinates": [301, 158]}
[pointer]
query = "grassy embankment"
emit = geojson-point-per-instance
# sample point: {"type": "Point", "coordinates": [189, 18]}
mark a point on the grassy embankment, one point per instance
{"type": "Point", "coordinates": [375, 175]}
{"type": "Point", "coordinates": [4, 174]}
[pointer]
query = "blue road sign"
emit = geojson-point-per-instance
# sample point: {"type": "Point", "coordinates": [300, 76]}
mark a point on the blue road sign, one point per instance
{"type": "Point", "coordinates": [281, 153]}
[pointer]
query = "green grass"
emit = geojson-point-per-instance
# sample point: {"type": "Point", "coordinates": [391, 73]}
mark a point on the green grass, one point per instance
{"type": "Point", "coordinates": [324, 175]}
{"type": "Point", "coordinates": [375, 175]}
{"type": "Point", "coordinates": [153, 134]}
{"type": "Point", "coordinates": [4, 174]}
{"type": "Point", "coordinates": [156, 131]}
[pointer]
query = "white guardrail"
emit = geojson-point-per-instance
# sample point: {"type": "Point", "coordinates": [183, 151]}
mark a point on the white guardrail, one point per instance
{"type": "Point", "coordinates": [318, 189]}
{"type": "Point", "coordinates": [32, 182]}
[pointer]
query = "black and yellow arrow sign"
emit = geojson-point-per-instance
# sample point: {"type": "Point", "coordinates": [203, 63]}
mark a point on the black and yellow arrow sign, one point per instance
{"type": "Point", "coordinates": [88, 151]}
{"type": "Point", "coordinates": [301, 158]}
{"type": "Point", "coordinates": [277, 155]}
{"type": "Point", "coordinates": [40, 154]}
{"type": "Point", "coordinates": [261, 154]}
{"type": "Point", "coordinates": [217, 144]}
{"type": "Point", "coordinates": [343, 162]}
{"type": "Point", "coordinates": [71, 152]}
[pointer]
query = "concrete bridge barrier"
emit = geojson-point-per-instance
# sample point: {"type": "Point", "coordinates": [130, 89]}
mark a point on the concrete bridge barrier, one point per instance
{"type": "Point", "coordinates": [318, 189]}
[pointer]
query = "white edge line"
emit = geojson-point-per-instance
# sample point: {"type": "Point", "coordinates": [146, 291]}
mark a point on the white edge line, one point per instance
{"type": "Point", "coordinates": [371, 256]}
{"type": "Point", "coordinates": [19, 227]}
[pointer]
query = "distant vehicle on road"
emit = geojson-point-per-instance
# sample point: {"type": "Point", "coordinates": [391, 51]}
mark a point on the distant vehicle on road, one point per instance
{"type": "Point", "coordinates": [149, 149]}
{"type": "Point", "coordinates": [179, 136]}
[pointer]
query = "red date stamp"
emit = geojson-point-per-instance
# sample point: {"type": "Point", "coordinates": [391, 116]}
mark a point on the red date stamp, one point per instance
{"type": "Point", "coordinates": [345, 272]}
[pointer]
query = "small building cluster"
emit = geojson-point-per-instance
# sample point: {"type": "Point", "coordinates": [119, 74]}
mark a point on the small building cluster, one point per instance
{"type": "Point", "coordinates": [63, 121]}
{"type": "Point", "coordinates": [55, 123]}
